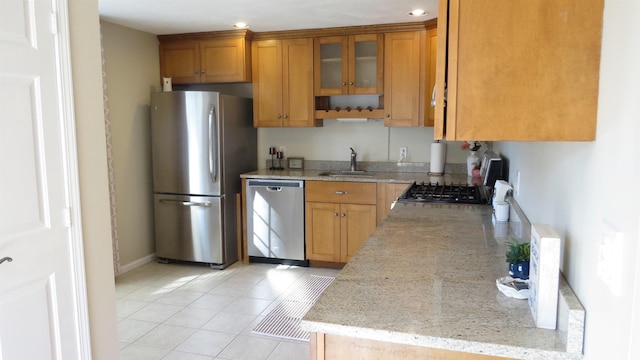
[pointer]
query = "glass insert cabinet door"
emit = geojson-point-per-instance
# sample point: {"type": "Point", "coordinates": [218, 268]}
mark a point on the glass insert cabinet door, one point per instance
{"type": "Point", "coordinates": [349, 65]}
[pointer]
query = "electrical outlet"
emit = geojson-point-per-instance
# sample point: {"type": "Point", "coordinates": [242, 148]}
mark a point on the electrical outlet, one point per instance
{"type": "Point", "coordinates": [516, 189]}
{"type": "Point", "coordinates": [403, 152]}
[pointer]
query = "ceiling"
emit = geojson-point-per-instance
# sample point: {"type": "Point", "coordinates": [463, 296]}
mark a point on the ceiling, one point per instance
{"type": "Point", "coordinates": [162, 17]}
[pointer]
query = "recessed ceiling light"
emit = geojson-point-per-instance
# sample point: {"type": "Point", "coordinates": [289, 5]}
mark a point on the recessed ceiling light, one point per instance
{"type": "Point", "coordinates": [418, 12]}
{"type": "Point", "coordinates": [241, 25]}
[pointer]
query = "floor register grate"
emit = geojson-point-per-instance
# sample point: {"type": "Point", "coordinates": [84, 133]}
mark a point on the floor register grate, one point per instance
{"type": "Point", "coordinates": [284, 320]}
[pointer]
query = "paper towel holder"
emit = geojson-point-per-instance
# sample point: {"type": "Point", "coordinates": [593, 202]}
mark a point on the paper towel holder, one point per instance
{"type": "Point", "coordinates": [437, 162]}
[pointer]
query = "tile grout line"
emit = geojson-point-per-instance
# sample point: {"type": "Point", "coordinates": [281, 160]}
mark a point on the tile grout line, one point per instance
{"type": "Point", "coordinates": [245, 271]}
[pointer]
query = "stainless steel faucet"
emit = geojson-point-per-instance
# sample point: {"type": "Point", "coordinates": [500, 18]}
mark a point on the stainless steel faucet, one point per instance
{"type": "Point", "coordinates": [353, 159]}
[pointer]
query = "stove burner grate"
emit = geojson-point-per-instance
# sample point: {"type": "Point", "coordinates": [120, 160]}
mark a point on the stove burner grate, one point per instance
{"type": "Point", "coordinates": [443, 193]}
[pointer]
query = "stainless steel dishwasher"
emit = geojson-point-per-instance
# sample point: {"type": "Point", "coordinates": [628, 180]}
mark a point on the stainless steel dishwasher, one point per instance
{"type": "Point", "coordinates": [275, 221]}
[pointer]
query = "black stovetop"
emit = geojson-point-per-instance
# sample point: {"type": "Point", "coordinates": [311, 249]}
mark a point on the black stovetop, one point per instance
{"type": "Point", "coordinates": [444, 193]}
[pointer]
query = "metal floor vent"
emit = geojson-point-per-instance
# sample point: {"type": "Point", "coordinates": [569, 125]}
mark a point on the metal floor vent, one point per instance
{"type": "Point", "coordinates": [284, 320]}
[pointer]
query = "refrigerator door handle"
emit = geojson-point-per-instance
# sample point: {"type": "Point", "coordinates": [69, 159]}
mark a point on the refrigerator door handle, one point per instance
{"type": "Point", "coordinates": [213, 146]}
{"type": "Point", "coordinates": [186, 203]}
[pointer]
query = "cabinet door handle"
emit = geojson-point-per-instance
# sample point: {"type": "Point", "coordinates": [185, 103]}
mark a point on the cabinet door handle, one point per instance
{"type": "Point", "coordinates": [278, 117]}
{"type": "Point", "coordinates": [433, 97]}
{"type": "Point", "coordinates": [344, 83]}
{"type": "Point", "coordinates": [335, 214]}
{"type": "Point", "coordinates": [344, 215]}
{"type": "Point", "coordinates": [340, 192]}
{"type": "Point", "coordinates": [286, 117]}
{"type": "Point", "coordinates": [387, 115]}
{"type": "Point", "coordinates": [350, 83]}
{"type": "Point", "coordinates": [196, 72]}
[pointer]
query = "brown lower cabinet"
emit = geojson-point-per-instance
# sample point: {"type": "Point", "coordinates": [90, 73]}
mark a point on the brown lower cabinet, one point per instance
{"type": "Point", "coordinates": [339, 218]}
{"type": "Point", "coordinates": [335, 347]}
{"type": "Point", "coordinates": [388, 193]}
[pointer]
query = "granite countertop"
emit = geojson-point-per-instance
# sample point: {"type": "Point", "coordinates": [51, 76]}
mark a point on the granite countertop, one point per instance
{"type": "Point", "coordinates": [426, 277]}
{"type": "Point", "coordinates": [380, 171]}
{"type": "Point", "coordinates": [376, 176]}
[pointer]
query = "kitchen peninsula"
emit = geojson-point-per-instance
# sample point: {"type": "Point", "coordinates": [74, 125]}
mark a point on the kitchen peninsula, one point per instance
{"type": "Point", "coordinates": [423, 286]}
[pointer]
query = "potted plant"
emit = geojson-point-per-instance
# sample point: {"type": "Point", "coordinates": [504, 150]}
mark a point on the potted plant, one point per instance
{"type": "Point", "coordinates": [518, 258]}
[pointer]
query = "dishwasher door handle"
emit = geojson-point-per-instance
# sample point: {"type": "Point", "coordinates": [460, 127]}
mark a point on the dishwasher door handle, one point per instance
{"type": "Point", "coordinates": [274, 188]}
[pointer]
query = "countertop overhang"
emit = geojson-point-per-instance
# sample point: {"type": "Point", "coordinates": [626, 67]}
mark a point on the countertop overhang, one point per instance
{"type": "Point", "coordinates": [426, 277]}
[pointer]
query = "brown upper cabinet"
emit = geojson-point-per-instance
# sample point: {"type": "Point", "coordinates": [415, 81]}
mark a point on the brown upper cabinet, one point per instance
{"type": "Point", "coordinates": [349, 65]}
{"type": "Point", "coordinates": [217, 57]}
{"type": "Point", "coordinates": [283, 83]}
{"type": "Point", "coordinates": [407, 70]}
{"type": "Point", "coordinates": [518, 70]}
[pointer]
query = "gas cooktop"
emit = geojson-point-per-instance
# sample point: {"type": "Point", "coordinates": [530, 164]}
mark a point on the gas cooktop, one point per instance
{"type": "Point", "coordinates": [444, 193]}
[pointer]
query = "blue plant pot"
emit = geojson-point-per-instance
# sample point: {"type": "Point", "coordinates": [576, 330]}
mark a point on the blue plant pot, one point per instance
{"type": "Point", "coordinates": [519, 270]}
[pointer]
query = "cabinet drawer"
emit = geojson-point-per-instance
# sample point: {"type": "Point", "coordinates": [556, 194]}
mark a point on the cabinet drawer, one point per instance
{"type": "Point", "coordinates": [341, 192]}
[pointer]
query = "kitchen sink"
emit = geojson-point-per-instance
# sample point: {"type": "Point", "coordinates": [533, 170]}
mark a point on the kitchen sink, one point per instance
{"type": "Point", "coordinates": [346, 173]}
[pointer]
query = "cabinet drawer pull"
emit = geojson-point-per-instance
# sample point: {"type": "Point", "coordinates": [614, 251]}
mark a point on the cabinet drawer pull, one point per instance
{"type": "Point", "coordinates": [340, 192]}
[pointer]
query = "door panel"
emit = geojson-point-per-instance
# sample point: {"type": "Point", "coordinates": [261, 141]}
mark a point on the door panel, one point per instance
{"type": "Point", "coordinates": [275, 221]}
{"type": "Point", "coordinates": [189, 228]}
{"type": "Point", "coordinates": [41, 288]}
{"type": "Point", "coordinates": [31, 303]}
{"type": "Point", "coordinates": [323, 231]}
{"type": "Point", "coordinates": [223, 60]}
{"type": "Point", "coordinates": [267, 83]}
{"type": "Point", "coordinates": [298, 82]}
{"type": "Point", "coordinates": [358, 223]}
{"type": "Point", "coordinates": [185, 129]}
{"type": "Point", "coordinates": [402, 79]}
{"type": "Point", "coordinates": [180, 61]}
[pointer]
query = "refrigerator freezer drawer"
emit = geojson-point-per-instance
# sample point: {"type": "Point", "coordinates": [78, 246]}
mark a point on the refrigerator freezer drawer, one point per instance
{"type": "Point", "coordinates": [189, 228]}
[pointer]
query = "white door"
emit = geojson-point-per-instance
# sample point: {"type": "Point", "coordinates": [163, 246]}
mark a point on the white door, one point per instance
{"type": "Point", "coordinates": [42, 293]}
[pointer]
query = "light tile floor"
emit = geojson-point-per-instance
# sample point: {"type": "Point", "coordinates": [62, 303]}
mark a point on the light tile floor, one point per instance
{"type": "Point", "coordinates": [192, 312]}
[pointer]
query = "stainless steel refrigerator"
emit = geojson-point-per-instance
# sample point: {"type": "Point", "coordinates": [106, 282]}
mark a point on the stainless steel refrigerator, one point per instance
{"type": "Point", "coordinates": [201, 143]}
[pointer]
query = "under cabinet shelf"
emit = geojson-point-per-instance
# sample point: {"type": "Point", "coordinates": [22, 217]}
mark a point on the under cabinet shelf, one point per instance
{"type": "Point", "coordinates": [335, 114]}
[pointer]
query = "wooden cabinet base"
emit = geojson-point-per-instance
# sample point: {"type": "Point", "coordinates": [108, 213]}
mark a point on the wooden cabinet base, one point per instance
{"type": "Point", "coordinates": [326, 264]}
{"type": "Point", "coordinates": [334, 347]}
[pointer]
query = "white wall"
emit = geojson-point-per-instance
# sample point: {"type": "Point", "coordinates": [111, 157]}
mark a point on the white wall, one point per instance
{"type": "Point", "coordinates": [371, 140]}
{"type": "Point", "coordinates": [132, 72]}
{"type": "Point", "coordinates": [578, 187]}
{"type": "Point", "coordinates": [94, 195]}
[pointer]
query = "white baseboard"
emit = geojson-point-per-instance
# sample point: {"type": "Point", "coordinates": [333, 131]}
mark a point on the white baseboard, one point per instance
{"type": "Point", "coordinates": [137, 263]}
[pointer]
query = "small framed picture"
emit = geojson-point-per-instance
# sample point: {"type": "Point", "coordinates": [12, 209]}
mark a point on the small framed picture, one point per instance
{"type": "Point", "coordinates": [295, 163]}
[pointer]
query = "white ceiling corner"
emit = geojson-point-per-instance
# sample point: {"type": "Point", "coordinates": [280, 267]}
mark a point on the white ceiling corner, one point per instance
{"type": "Point", "coordinates": [162, 17]}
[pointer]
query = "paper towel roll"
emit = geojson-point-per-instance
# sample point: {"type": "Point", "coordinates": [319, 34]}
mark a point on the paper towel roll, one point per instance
{"type": "Point", "coordinates": [438, 154]}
